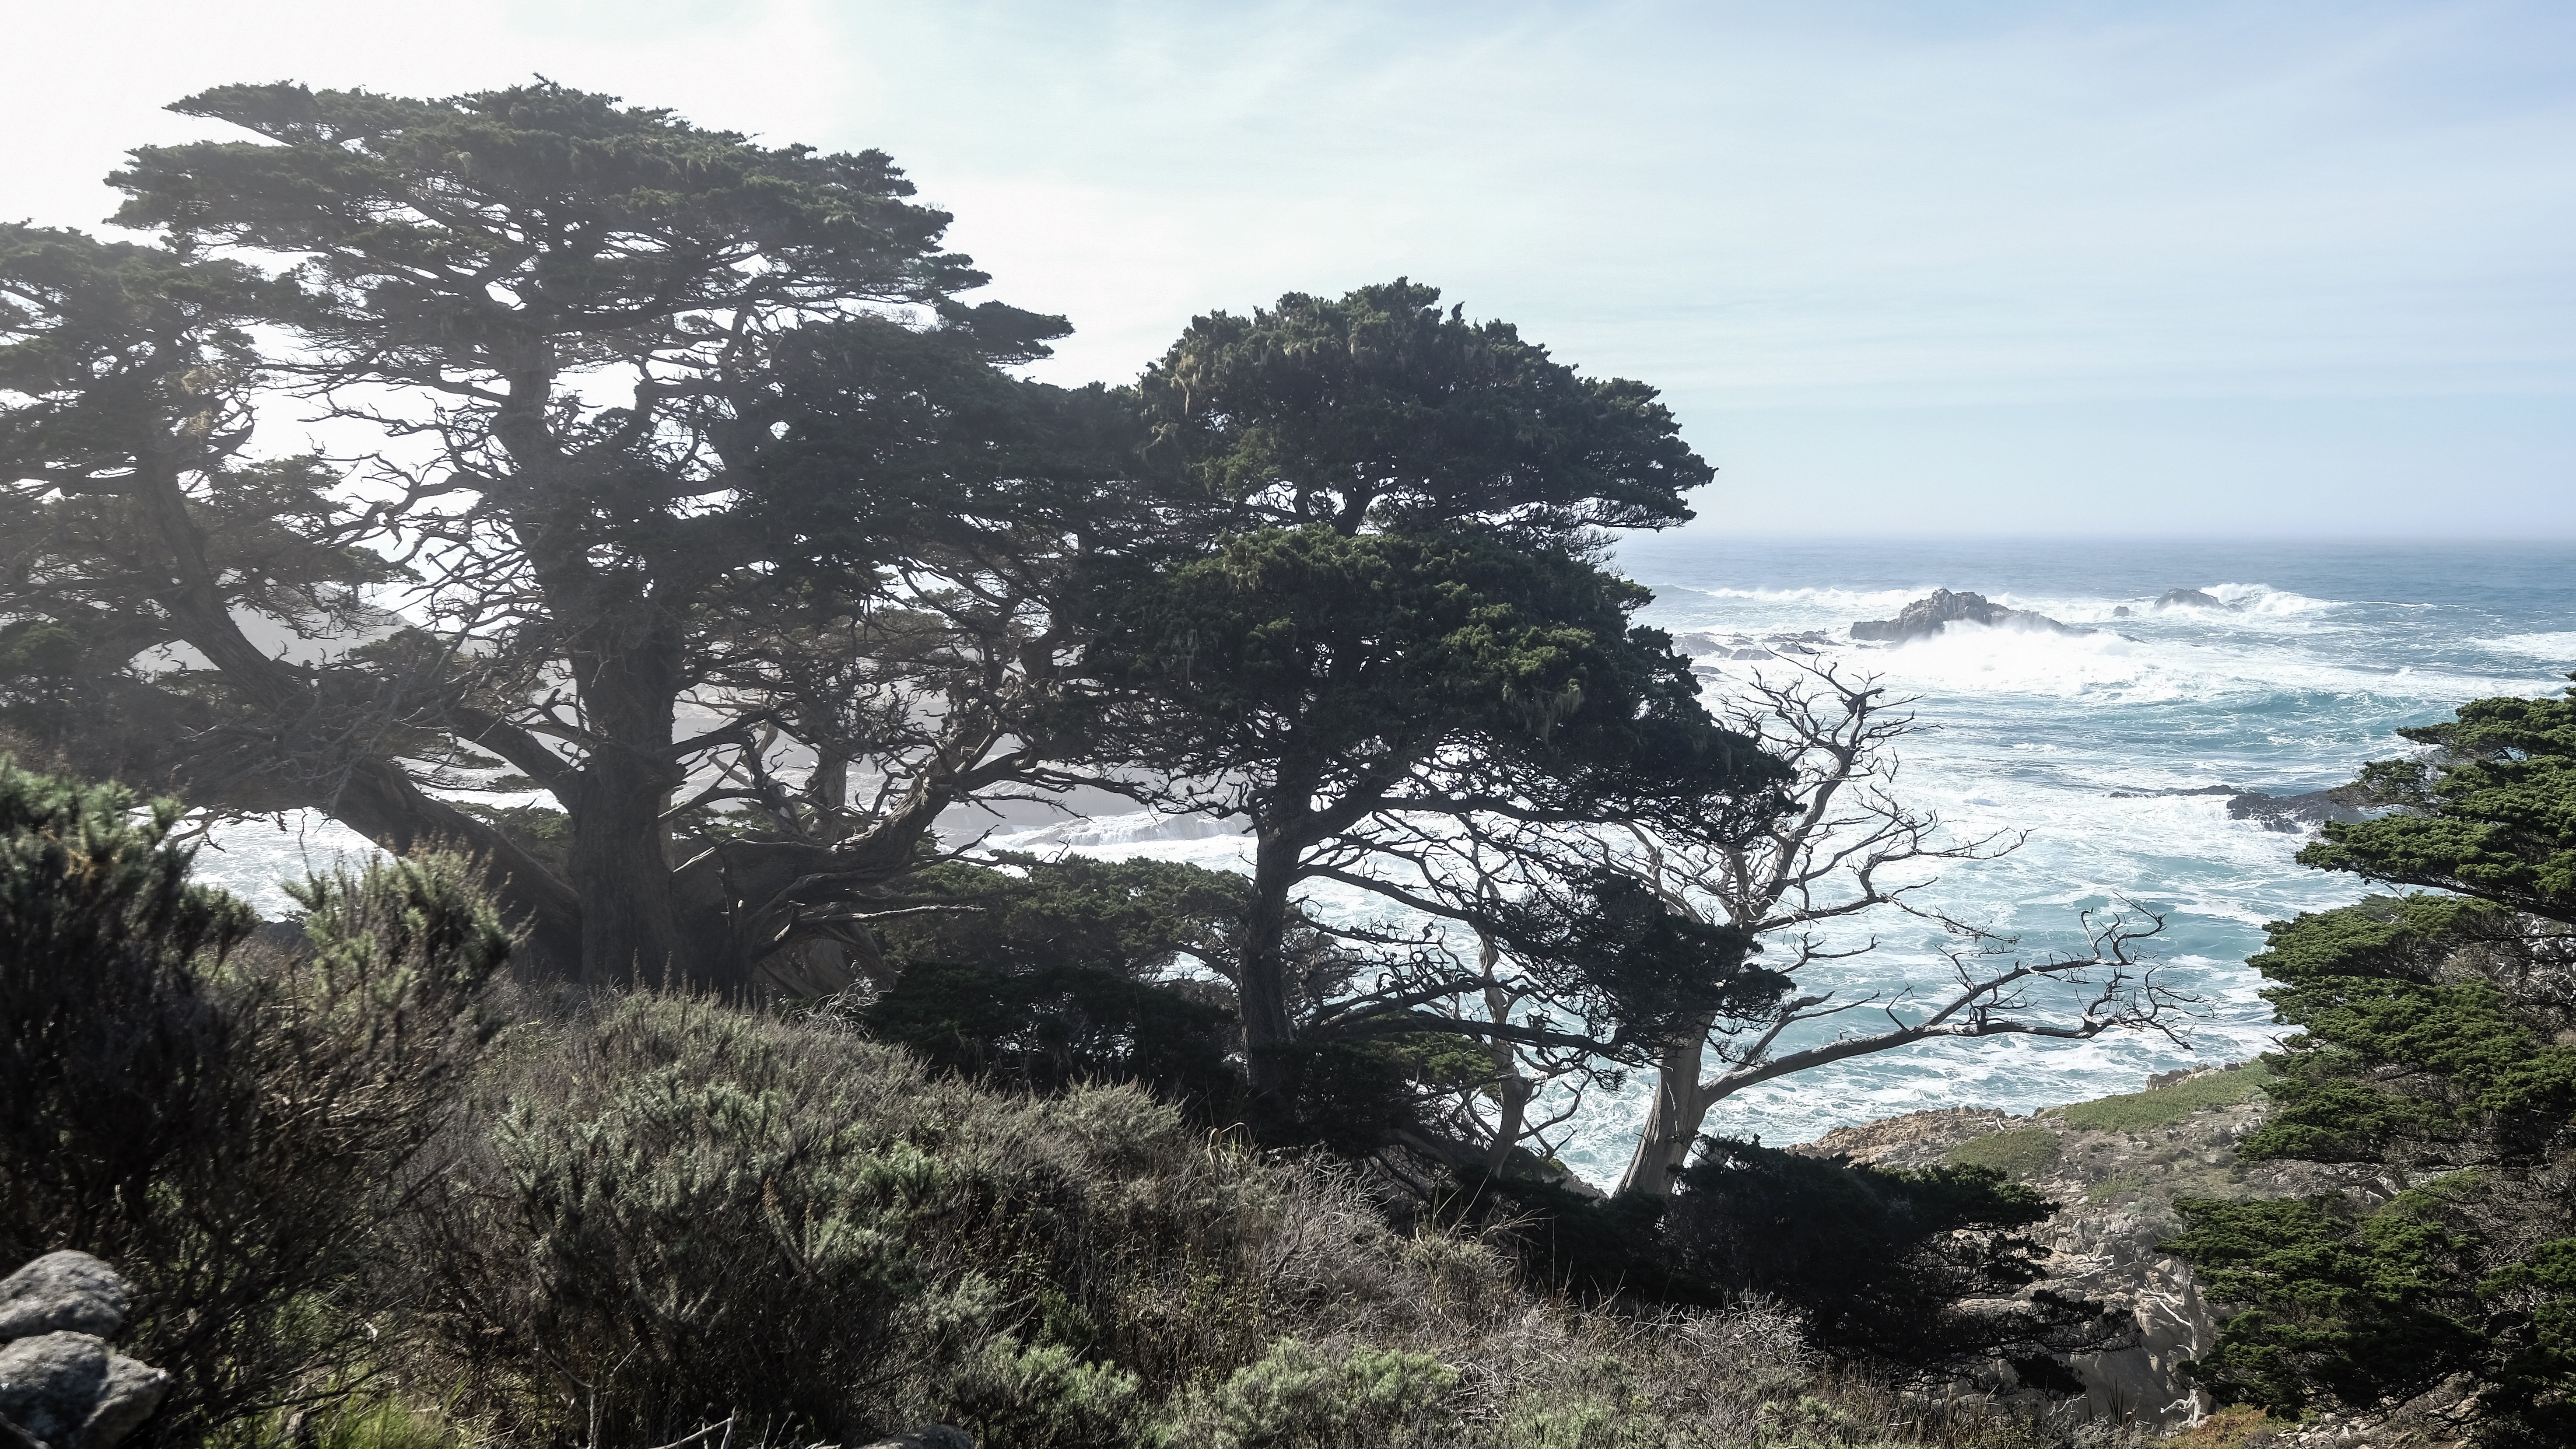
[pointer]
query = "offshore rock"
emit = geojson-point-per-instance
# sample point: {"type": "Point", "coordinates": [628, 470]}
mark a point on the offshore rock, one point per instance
{"type": "Point", "coordinates": [2295, 812]}
{"type": "Point", "coordinates": [1936, 611]}
{"type": "Point", "coordinates": [63, 1292]}
{"type": "Point", "coordinates": [2194, 599]}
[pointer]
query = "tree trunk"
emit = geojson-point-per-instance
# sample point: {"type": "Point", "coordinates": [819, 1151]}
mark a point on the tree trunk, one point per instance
{"type": "Point", "coordinates": [1672, 1122]}
{"type": "Point", "coordinates": [1268, 1026]}
{"type": "Point", "coordinates": [1511, 1117]}
{"type": "Point", "coordinates": [627, 666]}
{"type": "Point", "coordinates": [621, 870]}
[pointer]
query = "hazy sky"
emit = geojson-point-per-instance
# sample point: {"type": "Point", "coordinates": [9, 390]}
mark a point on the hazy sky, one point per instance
{"type": "Point", "coordinates": [2169, 268]}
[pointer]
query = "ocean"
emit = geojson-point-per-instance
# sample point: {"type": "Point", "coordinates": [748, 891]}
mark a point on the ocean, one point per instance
{"type": "Point", "coordinates": [2325, 650]}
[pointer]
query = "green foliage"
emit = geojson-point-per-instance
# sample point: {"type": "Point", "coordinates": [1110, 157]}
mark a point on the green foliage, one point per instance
{"type": "Point", "coordinates": [1048, 973]}
{"type": "Point", "coordinates": [1139, 918]}
{"type": "Point", "coordinates": [1896, 1266]}
{"type": "Point", "coordinates": [2017, 1152]}
{"type": "Point", "coordinates": [1352, 655]}
{"type": "Point", "coordinates": [1375, 407]}
{"type": "Point", "coordinates": [2164, 1106]}
{"type": "Point", "coordinates": [1298, 1396]}
{"type": "Point", "coordinates": [2369, 1308]}
{"type": "Point", "coordinates": [1044, 1397]}
{"type": "Point", "coordinates": [2438, 1041]}
{"type": "Point", "coordinates": [2491, 816]}
{"type": "Point", "coordinates": [232, 1129]}
{"type": "Point", "coordinates": [1639, 973]}
{"type": "Point", "coordinates": [1057, 1026]}
{"type": "Point", "coordinates": [2384, 985]}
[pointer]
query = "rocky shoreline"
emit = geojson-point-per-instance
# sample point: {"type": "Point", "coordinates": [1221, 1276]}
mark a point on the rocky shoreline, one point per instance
{"type": "Point", "coordinates": [2115, 1165]}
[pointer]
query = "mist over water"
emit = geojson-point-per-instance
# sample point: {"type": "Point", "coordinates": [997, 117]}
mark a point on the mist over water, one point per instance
{"type": "Point", "coordinates": [2331, 649]}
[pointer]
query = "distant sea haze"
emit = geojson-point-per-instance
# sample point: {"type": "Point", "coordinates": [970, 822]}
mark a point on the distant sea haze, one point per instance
{"type": "Point", "coordinates": [2316, 655]}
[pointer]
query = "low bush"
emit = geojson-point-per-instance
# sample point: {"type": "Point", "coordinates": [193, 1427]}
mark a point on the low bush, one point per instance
{"type": "Point", "coordinates": [1919, 1272]}
{"type": "Point", "coordinates": [231, 1127]}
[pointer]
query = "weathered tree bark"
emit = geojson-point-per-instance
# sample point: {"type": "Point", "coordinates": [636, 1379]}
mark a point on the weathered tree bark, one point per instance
{"type": "Point", "coordinates": [1672, 1121]}
{"type": "Point", "coordinates": [627, 672]}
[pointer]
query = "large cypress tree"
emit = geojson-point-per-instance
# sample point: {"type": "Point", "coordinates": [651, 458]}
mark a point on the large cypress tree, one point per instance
{"type": "Point", "coordinates": [1401, 609]}
{"type": "Point", "coordinates": [708, 491]}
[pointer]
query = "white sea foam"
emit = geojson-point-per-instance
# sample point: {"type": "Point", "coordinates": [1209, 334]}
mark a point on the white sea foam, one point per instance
{"type": "Point", "coordinates": [255, 858]}
{"type": "Point", "coordinates": [2556, 647]}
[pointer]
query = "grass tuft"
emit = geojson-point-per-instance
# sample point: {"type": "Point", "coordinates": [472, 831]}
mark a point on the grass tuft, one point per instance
{"type": "Point", "coordinates": [2164, 1106]}
{"type": "Point", "coordinates": [2021, 1152]}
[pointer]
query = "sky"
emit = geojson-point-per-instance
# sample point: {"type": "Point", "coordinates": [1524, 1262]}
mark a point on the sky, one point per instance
{"type": "Point", "coordinates": [2194, 268]}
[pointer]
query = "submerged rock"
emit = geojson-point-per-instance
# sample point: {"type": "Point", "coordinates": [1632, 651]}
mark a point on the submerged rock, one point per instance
{"type": "Point", "coordinates": [1936, 611]}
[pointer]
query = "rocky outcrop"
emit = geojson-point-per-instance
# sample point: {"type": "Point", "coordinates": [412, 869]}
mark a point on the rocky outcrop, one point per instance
{"type": "Point", "coordinates": [61, 1385]}
{"type": "Point", "coordinates": [2194, 599]}
{"type": "Point", "coordinates": [2114, 1167]}
{"type": "Point", "coordinates": [2287, 813]}
{"type": "Point", "coordinates": [2295, 812]}
{"type": "Point", "coordinates": [1941, 608]}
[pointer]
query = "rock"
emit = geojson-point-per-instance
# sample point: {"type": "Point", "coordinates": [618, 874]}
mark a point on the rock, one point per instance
{"type": "Point", "coordinates": [63, 1292]}
{"type": "Point", "coordinates": [2295, 812]}
{"type": "Point", "coordinates": [2121, 612]}
{"type": "Point", "coordinates": [928, 1436]}
{"type": "Point", "coordinates": [1936, 611]}
{"type": "Point", "coordinates": [73, 1392]}
{"type": "Point", "coordinates": [2194, 599]}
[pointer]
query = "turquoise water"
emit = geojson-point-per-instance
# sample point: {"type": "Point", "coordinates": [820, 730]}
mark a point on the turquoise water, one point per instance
{"type": "Point", "coordinates": [2334, 648]}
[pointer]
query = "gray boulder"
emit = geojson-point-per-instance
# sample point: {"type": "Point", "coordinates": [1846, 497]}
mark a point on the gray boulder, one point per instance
{"type": "Point", "coordinates": [71, 1391]}
{"type": "Point", "coordinates": [63, 1293]}
{"type": "Point", "coordinates": [1939, 609]}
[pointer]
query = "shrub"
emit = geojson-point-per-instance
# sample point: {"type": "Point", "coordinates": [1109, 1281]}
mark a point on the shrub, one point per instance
{"type": "Point", "coordinates": [683, 1212]}
{"type": "Point", "coordinates": [1907, 1270]}
{"type": "Point", "coordinates": [1300, 1397]}
{"type": "Point", "coordinates": [231, 1128]}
